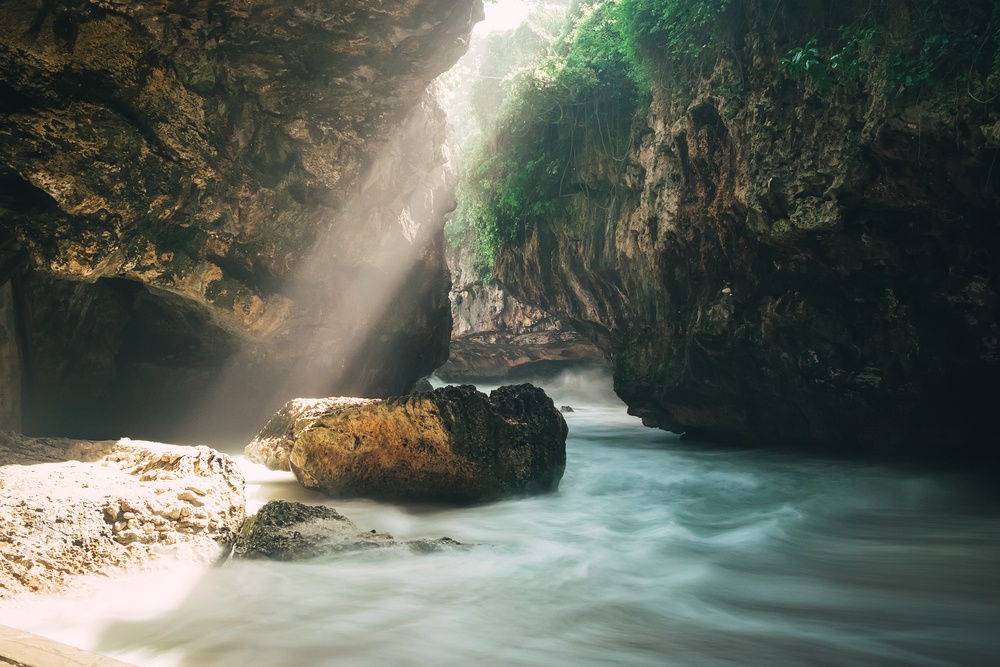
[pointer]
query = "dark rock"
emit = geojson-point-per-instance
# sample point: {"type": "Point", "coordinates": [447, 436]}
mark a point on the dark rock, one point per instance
{"type": "Point", "coordinates": [454, 444]}
{"type": "Point", "coordinates": [566, 408]}
{"type": "Point", "coordinates": [434, 546]}
{"type": "Point", "coordinates": [285, 531]}
{"type": "Point", "coordinates": [423, 384]}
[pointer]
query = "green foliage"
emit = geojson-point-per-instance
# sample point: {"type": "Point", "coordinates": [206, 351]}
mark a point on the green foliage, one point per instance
{"type": "Point", "coordinates": [683, 29]}
{"type": "Point", "coordinates": [578, 100]}
{"type": "Point", "coordinates": [804, 60]}
{"type": "Point", "coordinates": [934, 45]}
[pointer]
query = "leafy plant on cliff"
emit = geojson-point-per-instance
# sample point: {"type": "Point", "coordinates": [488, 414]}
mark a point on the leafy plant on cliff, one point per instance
{"type": "Point", "coordinates": [903, 46]}
{"type": "Point", "coordinates": [681, 29]}
{"type": "Point", "coordinates": [805, 61]}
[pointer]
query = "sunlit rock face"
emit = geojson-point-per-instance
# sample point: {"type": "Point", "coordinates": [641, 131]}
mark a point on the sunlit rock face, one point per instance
{"type": "Point", "coordinates": [264, 178]}
{"type": "Point", "coordinates": [495, 336]}
{"type": "Point", "coordinates": [784, 266]}
{"type": "Point", "coordinates": [70, 507]}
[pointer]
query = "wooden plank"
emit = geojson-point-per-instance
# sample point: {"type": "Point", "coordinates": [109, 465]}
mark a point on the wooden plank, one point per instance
{"type": "Point", "coordinates": [25, 649]}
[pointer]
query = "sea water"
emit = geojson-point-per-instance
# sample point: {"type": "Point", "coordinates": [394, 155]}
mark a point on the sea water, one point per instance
{"type": "Point", "coordinates": [654, 551]}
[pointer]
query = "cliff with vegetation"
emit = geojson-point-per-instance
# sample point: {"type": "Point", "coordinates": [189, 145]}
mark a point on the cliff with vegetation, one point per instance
{"type": "Point", "coordinates": [780, 220]}
{"type": "Point", "coordinates": [228, 202]}
{"type": "Point", "coordinates": [494, 335]}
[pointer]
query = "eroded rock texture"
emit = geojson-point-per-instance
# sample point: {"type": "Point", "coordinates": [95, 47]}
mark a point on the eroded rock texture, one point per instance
{"type": "Point", "coordinates": [783, 264]}
{"type": "Point", "coordinates": [71, 507]}
{"type": "Point", "coordinates": [453, 443]}
{"type": "Point", "coordinates": [256, 181]}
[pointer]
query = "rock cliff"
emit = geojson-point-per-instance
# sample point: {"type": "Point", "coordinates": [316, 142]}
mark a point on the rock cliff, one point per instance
{"type": "Point", "coordinates": [783, 261]}
{"type": "Point", "coordinates": [258, 183]}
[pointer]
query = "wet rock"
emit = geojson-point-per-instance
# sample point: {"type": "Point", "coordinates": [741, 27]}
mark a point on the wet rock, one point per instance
{"type": "Point", "coordinates": [73, 507]}
{"type": "Point", "coordinates": [423, 384]}
{"type": "Point", "coordinates": [283, 530]}
{"type": "Point", "coordinates": [453, 444]}
{"type": "Point", "coordinates": [566, 408]}
{"type": "Point", "coordinates": [434, 546]}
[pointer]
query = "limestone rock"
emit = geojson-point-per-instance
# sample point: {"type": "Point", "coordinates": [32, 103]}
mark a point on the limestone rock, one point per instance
{"type": "Point", "coordinates": [274, 443]}
{"type": "Point", "coordinates": [70, 507]}
{"type": "Point", "coordinates": [236, 193]}
{"type": "Point", "coordinates": [454, 444]}
{"type": "Point", "coordinates": [283, 530]}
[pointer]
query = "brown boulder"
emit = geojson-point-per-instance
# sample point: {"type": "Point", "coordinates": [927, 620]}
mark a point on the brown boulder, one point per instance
{"type": "Point", "coordinates": [453, 443]}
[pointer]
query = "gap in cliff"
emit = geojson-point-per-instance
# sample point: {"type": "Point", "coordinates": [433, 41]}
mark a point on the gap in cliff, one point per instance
{"type": "Point", "coordinates": [496, 336]}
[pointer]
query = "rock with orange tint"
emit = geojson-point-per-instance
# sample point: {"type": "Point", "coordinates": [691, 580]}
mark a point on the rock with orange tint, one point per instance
{"type": "Point", "coordinates": [274, 443]}
{"type": "Point", "coordinates": [453, 444]}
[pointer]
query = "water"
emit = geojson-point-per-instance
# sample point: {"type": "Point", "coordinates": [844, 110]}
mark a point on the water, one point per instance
{"type": "Point", "coordinates": [652, 553]}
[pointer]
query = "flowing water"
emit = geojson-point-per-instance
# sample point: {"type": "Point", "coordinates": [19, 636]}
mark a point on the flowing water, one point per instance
{"type": "Point", "coordinates": [653, 552]}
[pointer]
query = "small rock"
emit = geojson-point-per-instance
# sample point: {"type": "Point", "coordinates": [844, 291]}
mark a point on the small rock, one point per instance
{"type": "Point", "coordinates": [285, 531]}
{"type": "Point", "coordinates": [566, 408]}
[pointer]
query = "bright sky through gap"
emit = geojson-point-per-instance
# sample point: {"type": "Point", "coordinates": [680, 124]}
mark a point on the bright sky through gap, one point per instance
{"type": "Point", "coordinates": [503, 15]}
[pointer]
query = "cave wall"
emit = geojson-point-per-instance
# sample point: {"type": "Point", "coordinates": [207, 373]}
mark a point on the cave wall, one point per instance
{"type": "Point", "coordinates": [224, 159]}
{"type": "Point", "coordinates": [10, 363]}
{"type": "Point", "coordinates": [782, 264]}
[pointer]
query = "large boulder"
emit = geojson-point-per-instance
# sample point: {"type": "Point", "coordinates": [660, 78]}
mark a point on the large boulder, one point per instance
{"type": "Point", "coordinates": [453, 443]}
{"type": "Point", "coordinates": [284, 530]}
{"type": "Point", "coordinates": [71, 507]}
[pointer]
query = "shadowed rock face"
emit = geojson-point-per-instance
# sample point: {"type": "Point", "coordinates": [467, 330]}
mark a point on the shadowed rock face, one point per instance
{"type": "Point", "coordinates": [202, 168]}
{"type": "Point", "coordinates": [495, 336]}
{"type": "Point", "coordinates": [785, 266]}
